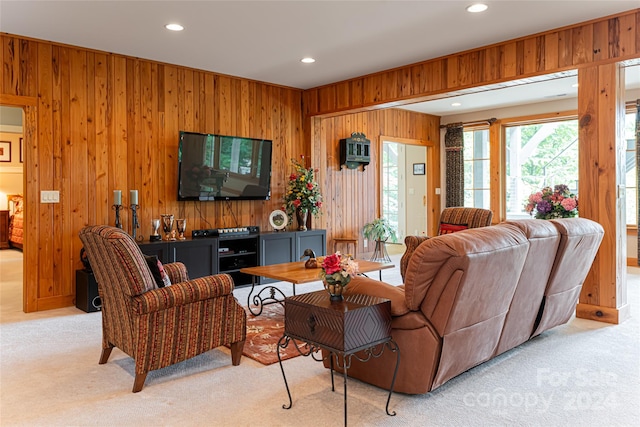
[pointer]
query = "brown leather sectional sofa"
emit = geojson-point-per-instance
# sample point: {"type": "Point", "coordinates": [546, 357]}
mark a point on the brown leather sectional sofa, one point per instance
{"type": "Point", "coordinates": [470, 296]}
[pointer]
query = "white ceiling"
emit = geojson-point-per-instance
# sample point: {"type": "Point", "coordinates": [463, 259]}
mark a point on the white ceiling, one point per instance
{"type": "Point", "coordinates": [265, 40]}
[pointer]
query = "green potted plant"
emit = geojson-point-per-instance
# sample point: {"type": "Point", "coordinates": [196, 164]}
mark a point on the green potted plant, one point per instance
{"type": "Point", "coordinates": [379, 230]}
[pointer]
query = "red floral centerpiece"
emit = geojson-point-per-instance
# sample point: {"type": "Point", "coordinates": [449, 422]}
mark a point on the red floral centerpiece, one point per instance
{"type": "Point", "coordinates": [303, 194]}
{"type": "Point", "coordinates": [337, 271]}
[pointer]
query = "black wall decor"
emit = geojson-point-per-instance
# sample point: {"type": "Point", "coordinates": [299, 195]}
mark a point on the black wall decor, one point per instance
{"type": "Point", "coordinates": [355, 151]}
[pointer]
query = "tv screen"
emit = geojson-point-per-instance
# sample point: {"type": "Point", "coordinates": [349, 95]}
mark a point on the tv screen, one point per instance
{"type": "Point", "coordinates": [219, 167]}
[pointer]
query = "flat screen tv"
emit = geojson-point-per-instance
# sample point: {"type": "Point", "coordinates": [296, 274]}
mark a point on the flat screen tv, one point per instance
{"type": "Point", "coordinates": [219, 167]}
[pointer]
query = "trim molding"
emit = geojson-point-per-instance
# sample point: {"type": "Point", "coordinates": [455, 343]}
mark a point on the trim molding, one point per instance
{"type": "Point", "coordinates": [603, 314]}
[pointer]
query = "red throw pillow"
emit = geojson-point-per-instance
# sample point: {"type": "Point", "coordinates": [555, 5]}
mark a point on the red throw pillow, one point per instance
{"type": "Point", "coordinates": [157, 271]}
{"type": "Point", "coordinates": [451, 228]}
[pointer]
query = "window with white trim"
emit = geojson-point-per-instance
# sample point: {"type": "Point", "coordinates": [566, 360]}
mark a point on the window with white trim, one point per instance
{"type": "Point", "coordinates": [539, 155]}
{"type": "Point", "coordinates": [630, 166]}
{"type": "Point", "coordinates": [476, 168]}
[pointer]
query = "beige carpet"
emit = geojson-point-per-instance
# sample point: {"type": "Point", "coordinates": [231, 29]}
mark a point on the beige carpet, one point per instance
{"type": "Point", "coordinates": [581, 374]}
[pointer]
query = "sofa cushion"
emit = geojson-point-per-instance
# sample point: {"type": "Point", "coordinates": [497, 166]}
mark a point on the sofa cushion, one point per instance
{"type": "Point", "coordinates": [580, 239]}
{"type": "Point", "coordinates": [476, 266]}
{"type": "Point", "coordinates": [446, 228]}
{"type": "Point", "coordinates": [543, 246]}
{"type": "Point", "coordinates": [367, 286]}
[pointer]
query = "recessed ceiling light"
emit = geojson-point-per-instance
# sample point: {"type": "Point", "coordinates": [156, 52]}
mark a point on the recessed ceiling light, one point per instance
{"type": "Point", "coordinates": [308, 60]}
{"type": "Point", "coordinates": [456, 104]}
{"type": "Point", "coordinates": [477, 7]}
{"type": "Point", "coordinates": [174, 27]}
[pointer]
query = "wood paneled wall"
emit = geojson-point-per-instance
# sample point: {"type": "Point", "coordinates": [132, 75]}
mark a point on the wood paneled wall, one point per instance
{"type": "Point", "coordinates": [97, 122]}
{"type": "Point", "coordinates": [603, 42]}
{"type": "Point", "coordinates": [608, 39]}
{"type": "Point", "coordinates": [601, 112]}
{"type": "Point", "coordinates": [352, 195]}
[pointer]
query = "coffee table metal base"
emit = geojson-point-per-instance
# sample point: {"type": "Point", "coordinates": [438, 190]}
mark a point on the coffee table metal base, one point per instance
{"type": "Point", "coordinates": [310, 349]}
{"type": "Point", "coordinates": [266, 296]}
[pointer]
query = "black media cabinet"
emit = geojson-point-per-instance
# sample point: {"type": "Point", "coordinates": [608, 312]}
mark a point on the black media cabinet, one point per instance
{"type": "Point", "coordinates": [229, 253]}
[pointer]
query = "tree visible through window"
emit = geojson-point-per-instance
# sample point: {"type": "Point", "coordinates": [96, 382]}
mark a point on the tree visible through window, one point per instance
{"type": "Point", "coordinates": [539, 155]}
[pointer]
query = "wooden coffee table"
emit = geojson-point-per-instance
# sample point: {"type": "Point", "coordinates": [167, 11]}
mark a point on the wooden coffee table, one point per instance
{"type": "Point", "coordinates": [294, 273]}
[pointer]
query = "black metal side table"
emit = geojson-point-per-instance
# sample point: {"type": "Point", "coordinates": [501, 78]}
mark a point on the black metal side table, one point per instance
{"type": "Point", "coordinates": [358, 326]}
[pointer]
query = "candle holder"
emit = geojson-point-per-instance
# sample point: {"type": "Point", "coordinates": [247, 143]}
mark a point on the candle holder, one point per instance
{"type": "Point", "coordinates": [181, 226]}
{"type": "Point", "coordinates": [155, 225]}
{"type": "Point", "coordinates": [167, 226]}
{"type": "Point", "coordinates": [134, 222]}
{"type": "Point", "coordinates": [117, 209]}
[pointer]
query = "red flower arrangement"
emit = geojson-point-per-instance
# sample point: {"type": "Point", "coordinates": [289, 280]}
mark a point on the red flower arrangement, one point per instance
{"type": "Point", "coordinates": [338, 269]}
{"type": "Point", "coordinates": [302, 190]}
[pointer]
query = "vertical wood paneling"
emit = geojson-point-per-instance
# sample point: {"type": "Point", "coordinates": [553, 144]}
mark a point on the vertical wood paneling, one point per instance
{"type": "Point", "coordinates": [104, 122]}
{"type": "Point", "coordinates": [102, 136]}
{"type": "Point", "coordinates": [47, 159]}
{"type": "Point", "coordinates": [10, 66]}
{"type": "Point", "coordinates": [75, 171]}
{"type": "Point", "coordinates": [600, 109]}
{"type": "Point", "coordinates": [617, 37]}
{"type": "Point", "coordinates": [31, 216]}
{"type": "Point", "coordinates": [531, 55]}
{"type": "Point", "coordinates": [100, 122]}
{"type": "Point", "coordinates": [600, 40]}
{"type": "Point", "coordinates": [628, 35]}
{"type": "Point", "coordinates": [510, 60]}
{"type": "Point", "coordinates": [91, 153]}
{"type": "Point", "coordinates": [28, 67]}
{"type": "Point", "coordinates": [352, 195]}
{"type": "Point", "coordinates": [582, 41]}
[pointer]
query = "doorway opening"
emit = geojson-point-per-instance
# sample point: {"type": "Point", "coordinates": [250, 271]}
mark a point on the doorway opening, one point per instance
{"type": "Point", "coordinates": [11, 207]}
{"type": "Point", "coordinates": [403, 183]}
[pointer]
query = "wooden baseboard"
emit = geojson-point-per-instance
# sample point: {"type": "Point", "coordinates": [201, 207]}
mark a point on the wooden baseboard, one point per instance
{"type": "Point", "coordinates": [603, 314]}
{"type": "Point", "coordinates": [632, 262]}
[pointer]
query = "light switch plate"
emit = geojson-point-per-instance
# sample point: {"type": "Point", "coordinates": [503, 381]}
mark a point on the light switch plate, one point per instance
{"type": "Point", "coordinates": [50, 196]}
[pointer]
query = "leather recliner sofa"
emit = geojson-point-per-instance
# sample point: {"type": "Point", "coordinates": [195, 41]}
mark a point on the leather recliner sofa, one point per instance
{"type": "Point", "coordinates": [470, 296]}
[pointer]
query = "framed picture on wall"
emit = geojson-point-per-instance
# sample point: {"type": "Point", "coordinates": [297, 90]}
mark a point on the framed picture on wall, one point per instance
{"type": "Point", "coordinates": [21, 151]}
{"type": "Point", "coordinates": [5, 151]}
{"type": "Point", "coordinates": [418, 168]}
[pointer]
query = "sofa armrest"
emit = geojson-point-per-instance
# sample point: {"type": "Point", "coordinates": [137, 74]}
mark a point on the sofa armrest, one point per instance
{"type": "Point", "coordinates": [366, 286]}
{"type": "Point", "coordinates": [411, 243]}
{"type": "Point", "coordinates": [183, 293]}
{"type": "Point", "coordinates": [176, 271]}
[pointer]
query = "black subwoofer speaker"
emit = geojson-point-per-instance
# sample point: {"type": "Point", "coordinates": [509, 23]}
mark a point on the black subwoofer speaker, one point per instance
{"type": "Point", "coordinates": [87, 298]}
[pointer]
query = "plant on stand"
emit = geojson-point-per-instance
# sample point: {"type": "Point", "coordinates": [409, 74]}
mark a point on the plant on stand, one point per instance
{"type": "Point", "coordinates": [303, 194]}
{"type": "Point", "coordinates": [379, 230]}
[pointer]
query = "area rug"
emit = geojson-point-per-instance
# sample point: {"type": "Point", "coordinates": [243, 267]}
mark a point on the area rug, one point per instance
{"type": "Point", "coordinates": [263, 333]}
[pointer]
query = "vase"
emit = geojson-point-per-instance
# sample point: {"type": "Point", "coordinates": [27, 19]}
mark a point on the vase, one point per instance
{"type": "Point", "coordinates": [334, 289]}
{"type": "Point", "coordinates": [301, 217]}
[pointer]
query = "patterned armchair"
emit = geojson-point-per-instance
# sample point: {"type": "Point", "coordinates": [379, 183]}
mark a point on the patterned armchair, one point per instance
{"type": "Point", "coordinates": [158, 327]}
{"type": "Point", "coordinates": [451, 220]}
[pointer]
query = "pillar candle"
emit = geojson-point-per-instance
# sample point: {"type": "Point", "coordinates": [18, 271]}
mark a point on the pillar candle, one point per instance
{"type": "Point", "coordinates": [134, 197]}
{"type": "Point", "coordinates": [117, 197]}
